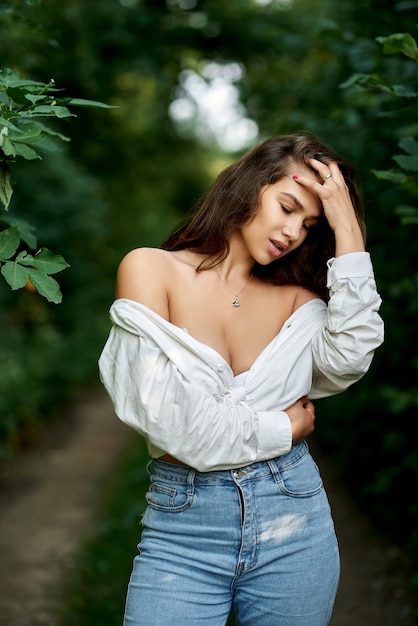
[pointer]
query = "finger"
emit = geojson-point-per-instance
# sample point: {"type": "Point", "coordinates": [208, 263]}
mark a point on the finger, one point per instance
{"type": "Point", "coordinates": [322, 190]}
{"type": "Point", "coordinates": [309, 407]}
{"type": "Point", "coordinates": [326, 171]}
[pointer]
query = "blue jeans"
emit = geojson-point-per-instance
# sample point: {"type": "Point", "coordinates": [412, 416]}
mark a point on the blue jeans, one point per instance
{"type": "Point", "coordinates": [260, 539]}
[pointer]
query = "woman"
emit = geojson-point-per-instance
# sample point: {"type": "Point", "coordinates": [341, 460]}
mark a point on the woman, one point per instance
{"type": "Point", "coordinates": [265, 295]}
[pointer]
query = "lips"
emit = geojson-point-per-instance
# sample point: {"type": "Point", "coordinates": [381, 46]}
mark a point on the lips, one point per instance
{"type": "Point", "coordinates": [277, 247]}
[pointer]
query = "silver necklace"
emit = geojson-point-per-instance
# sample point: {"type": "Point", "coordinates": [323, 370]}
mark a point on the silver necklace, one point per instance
{"type": "Point", "coordinates": [236, 302]}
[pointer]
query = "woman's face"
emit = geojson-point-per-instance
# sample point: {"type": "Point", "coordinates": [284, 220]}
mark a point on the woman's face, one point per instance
{"type": "Point", "coordinates": [285, 214]}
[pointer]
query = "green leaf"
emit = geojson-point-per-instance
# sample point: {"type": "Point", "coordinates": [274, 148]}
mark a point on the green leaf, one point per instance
{"type": "Point", "coordinates": [17, 95]}
{"type": "Point", "coordinates": [15, 274]}
{"type": "Point", "coordinates": [26, 230]}
{"type": "Point", "coordinates": [9, 242]}
{"type": "Point", "coordinates": [393, 177]}
{"type": "Point", "coordinates": [54, 133]}
{"type": "Point", "coordinates": [44, 261]}
{"type": "Point", "coordinates": [46, 286]}
{"type": "Point", "coordinates": [7, 147]}
{"type": "Point", "coordinates": [8, 124]}
{"type": "Point", "coordinates": [34, 98]}
{"type": "Point", "coordinates": [408, 214]}
{"type": "Point", "coordinates": [22, 150]}
{"type": "Point", "coordinates": [400, 42]}
{"type": "Point", "coordinates": [90, 103]}
{"type": "Point", "coordinates": [28, 131]}
{"type": "Point", "coordinates": [377, 82]}
{"type": "Point", "coordinates": [48, 262]}
{"type": "Point", "coordinates": [409, 163]}
{"type": "Point", "coordinates": [32, 131]}
{"type": "Point", "coordinates": [51, 110]}
{"type": "Point", "coordinates": [5, 185]}
{"type": "Point", "coordinates": [367, 80]}
{"type": "Point", "coordinates": [403, 92]}
{"type": "Point", "coordinates": [410, 145]}
{"type": "Point", "coordinates": [9, 78]}
{"type": "Point", "coordinates": [25, 258]}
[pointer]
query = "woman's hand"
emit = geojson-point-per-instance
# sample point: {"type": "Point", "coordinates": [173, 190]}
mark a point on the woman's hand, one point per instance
{"type": "Point", "coordinates": [338, 208]}
{"type": "Point", "coordinates": [302, 418]}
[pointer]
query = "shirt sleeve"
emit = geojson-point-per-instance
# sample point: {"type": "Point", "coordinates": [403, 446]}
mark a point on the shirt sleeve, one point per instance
{"type": "Point", "coordinates": [177, 415]}
{"type": "Point", "coordinates": [343, 350]}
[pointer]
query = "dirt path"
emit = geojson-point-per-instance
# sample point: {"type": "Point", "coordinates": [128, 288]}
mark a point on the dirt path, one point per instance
{"type": "Point", "coordinates": [47, 504]}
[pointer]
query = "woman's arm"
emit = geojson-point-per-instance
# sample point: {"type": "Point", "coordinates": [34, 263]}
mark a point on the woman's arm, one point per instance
{"type": "Point", "coordinates": [342, 352]}
{"type": "Point", "coordinates": [337, 204]}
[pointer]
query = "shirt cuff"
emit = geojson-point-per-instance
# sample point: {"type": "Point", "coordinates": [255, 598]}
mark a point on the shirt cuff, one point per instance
{"type": "Point", "coordinates": [351, 265]}
{"type": "Point", "coordinates": [274, 434]}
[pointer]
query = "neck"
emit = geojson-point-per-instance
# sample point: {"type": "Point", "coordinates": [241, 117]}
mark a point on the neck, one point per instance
{"type": "Point", "coordinates": [237, 267]}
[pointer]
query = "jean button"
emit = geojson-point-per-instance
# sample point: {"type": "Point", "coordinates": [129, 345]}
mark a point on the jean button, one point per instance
{"type": "Point", "coordinates": [238, 473]}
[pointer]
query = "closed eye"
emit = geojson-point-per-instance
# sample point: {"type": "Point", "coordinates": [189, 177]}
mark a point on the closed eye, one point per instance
{"type": "Point", "coordinates": [310, 226]}
{"type": "Point", "coordinates": [285, 209]}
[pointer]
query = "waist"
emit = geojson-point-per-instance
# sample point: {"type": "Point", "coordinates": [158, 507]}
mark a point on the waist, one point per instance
{"type": "Point", "coordinates": [168, 463]}
{"type": "Point", "coordinates": [167, 458]}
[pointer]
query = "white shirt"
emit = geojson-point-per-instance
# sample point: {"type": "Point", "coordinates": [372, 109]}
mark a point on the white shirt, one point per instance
{"type": "Point", "coordinates": [180, 395]}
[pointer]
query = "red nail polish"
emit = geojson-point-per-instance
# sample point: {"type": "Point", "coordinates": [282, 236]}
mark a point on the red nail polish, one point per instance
{"type": "Point", "coordinates": [295, 176]}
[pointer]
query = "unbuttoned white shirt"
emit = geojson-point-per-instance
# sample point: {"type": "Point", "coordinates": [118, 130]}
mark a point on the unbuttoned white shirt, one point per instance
{"type": "Point", "coordinates": [179, 393]}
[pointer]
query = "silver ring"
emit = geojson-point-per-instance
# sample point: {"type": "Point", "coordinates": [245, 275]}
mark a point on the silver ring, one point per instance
{"type": "Point", "coordinates": [327, 176]}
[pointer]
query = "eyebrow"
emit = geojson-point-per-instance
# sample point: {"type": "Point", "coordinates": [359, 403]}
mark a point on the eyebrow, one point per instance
{"type": "Point", "coordinates": [300, 206]}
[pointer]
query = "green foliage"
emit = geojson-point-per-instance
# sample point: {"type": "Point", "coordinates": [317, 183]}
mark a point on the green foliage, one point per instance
{"type": "Point", "coordinates": [400, 42]}
{"type": "Point", "coordinates": [26, 268]}
{"type": "Point", "coordinates": [22, 103]}
{"type": "Point", "coordinates": [397, 43]}
{"type": "Point", "coordinates": [386, 403]}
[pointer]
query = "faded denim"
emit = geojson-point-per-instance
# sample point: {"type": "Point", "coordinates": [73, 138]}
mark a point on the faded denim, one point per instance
{"type": "Point", "coordinates": [260, 539]}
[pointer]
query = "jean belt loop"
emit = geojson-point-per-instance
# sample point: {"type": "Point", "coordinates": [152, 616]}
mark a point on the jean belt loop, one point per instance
{"type": "Point", "coordinates": [190, 481]}
{"type": "Point", "coordinates": [274, 470]}
{"type": "Point", "coordinates": [148, 466]}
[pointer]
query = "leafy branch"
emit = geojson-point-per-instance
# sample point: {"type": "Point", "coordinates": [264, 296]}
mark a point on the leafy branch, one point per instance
{"type": "Point", "coordinates": [407, 162]}
{"type": "Point", "coordinates": [23, 105]}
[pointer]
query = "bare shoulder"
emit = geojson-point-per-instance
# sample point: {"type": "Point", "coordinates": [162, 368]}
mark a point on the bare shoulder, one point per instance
{"type": "Point", "coordinates": [143, 276]}
{"type": "Point", "coordinates": [142, 257]}
{"type": "Point", "coordinates": [302, 296]}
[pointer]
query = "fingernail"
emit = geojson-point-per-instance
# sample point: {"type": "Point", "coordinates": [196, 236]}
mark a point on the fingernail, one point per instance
{"type": "Point", "coordinates": [295, 176]}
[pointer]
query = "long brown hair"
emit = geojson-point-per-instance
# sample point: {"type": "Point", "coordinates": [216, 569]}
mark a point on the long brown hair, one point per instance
{"type": "Point", "coordinates": [234, 200]}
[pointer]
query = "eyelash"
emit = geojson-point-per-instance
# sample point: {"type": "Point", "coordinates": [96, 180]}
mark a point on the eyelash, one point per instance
{"type": "Point", "coordinates": [289, 212]}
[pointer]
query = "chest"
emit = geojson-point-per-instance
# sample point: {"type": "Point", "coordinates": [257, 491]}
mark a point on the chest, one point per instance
{"type": "Point", "coordinates": [238, 333]}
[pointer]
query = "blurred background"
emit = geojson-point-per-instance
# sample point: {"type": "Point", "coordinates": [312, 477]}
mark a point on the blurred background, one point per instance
{"type": "Point", "coordinates": [195, 83]}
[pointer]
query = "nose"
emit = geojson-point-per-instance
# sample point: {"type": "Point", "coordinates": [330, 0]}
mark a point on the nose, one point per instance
{"type": "Point", "coordinates": [291, 230]}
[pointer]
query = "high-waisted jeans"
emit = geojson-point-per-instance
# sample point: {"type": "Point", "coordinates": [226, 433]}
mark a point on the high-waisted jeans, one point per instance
{"type": "Point", "coordinates": [259, 538]}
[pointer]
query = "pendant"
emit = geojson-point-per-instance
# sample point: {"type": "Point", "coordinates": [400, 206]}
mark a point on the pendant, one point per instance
{"type": "Point", "coordinates": [235, 303]}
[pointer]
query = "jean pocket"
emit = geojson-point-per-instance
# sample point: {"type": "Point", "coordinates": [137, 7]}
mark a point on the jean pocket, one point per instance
{"type": "Point", "coordinates": [301, 479]}
{"type": "Point", "coordinates": [170, 498]}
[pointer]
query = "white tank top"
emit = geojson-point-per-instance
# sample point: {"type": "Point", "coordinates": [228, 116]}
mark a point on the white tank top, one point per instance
{"type": "Point", "coordinates": [239, 380]}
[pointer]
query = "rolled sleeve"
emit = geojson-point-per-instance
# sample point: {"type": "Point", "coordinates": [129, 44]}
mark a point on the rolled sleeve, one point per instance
{"type": "Point", "coordinates": [343, 350]}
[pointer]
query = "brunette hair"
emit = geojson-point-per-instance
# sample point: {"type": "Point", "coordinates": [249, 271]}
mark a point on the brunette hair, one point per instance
{"type": "Point", "coordinates": [234, 200]}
